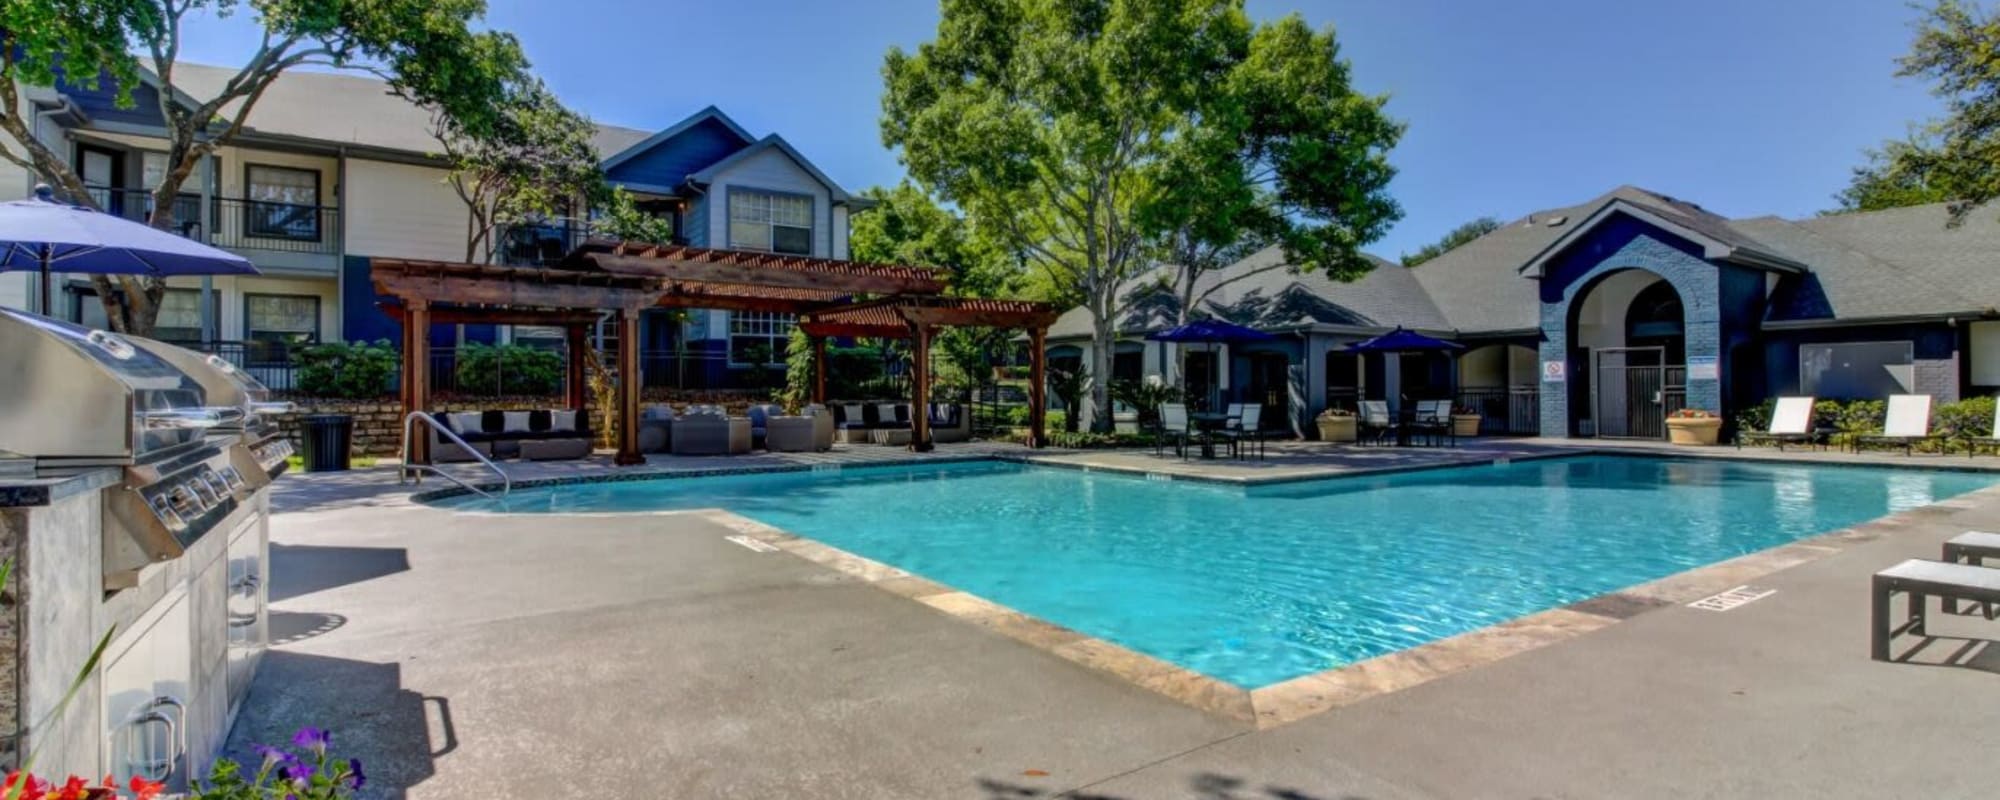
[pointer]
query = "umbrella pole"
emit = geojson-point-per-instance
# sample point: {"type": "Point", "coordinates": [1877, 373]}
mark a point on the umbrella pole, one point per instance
{"type": "Point", "coordinates": [47, 253]}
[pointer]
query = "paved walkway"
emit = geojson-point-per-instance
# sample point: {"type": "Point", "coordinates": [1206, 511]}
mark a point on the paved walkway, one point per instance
{"type": "Point", "coordinates": [478, 656]}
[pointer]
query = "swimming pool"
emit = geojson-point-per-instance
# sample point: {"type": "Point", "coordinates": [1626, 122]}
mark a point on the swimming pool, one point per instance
{"type": "Point", "coordinates": [1258, 585]}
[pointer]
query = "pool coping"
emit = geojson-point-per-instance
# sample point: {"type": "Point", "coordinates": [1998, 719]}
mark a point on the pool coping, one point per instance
{"type": "Point", "coordinates": [1314, 693]}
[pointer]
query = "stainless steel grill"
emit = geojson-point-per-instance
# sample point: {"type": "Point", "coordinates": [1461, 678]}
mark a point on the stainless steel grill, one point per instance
{"type": "Point", "coordinates": [76, 399]}
{"type": "Point", "coordinates": [224, 385]}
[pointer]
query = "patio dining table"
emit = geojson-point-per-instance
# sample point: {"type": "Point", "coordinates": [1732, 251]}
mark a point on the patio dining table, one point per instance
{"type": "Point", "coordinates": [1209, 422]}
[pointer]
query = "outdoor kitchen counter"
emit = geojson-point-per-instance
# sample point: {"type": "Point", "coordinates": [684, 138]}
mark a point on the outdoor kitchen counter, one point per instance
{"type": "Point", "coordinates": [26, 492]}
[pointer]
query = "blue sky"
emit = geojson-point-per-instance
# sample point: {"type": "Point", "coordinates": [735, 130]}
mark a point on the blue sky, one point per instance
{"type": "Point", "coordinates": [1744, 107]}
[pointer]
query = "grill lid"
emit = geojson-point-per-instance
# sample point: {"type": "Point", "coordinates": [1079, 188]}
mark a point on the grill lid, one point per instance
{"type": "Point", "coordinates": [74, 392]}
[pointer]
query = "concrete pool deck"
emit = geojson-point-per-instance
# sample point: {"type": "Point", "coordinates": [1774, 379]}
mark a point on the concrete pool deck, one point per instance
{"type": "Point", "coordinates": [485, 656]}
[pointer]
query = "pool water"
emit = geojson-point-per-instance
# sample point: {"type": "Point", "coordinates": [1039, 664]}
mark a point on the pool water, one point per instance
{"type": "Point", "coordinates": [1258, 585]}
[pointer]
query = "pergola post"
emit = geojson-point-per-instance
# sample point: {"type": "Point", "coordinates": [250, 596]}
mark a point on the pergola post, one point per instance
{"type": "Point", "coordinates": [628, 389]}
{"type": "Point", "coordinates": [417, 372]}
{"type": "Point", "coordinates": [577, 338]}
{"type": "Point", "coordinates": [819, 370]}
{"type": "Point", "coordinates": [1038, 366]}
{"type": "Point", "coordinates": [920, 388]}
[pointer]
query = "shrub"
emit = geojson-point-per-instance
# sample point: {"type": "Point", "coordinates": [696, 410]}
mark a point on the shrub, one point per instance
{"type": "Point", "coordinates": [355, 370]}
{"type": "Point", "coordinates": [508, 369]}
{"type": "Point", "coordinates": [1086, 440]}
{"type": "Point", "coordinates": [1966, 419]}
{"type": "Point", "coordinates": [1144, 398]}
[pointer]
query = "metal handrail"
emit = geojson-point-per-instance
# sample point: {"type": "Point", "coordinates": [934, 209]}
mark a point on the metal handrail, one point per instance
{"type": "Point", "coordinates": [403, 474]}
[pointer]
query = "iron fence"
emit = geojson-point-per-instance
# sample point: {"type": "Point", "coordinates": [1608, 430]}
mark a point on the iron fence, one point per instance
{"type": "Point", "coordinates": [234, 222]}
{"type": "Point", "coordinates": [1513, 411]}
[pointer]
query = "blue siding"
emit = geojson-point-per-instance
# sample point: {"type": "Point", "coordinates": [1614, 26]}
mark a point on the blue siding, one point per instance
{"type": "Point", "coordinates": [694, 224]}
{"type": "Point", "coordinates": [101, 103]}
{"type": "Point", "coordinates": [1934, 346]}
{"type": "Point", "coordinates": [670, 162]}
{"type": "Point", "coordinates": [360, 319]}
{"type": "Point", "coordinates": [1627, 243]}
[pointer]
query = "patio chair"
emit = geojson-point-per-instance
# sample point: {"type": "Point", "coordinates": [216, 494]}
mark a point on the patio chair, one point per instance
{"type": "Point", "coordinates": [1918, 579]}
{"type": "Point", "coordinates": [1433, 419]}
{"type": "Point", "coordinates": [1791, 421]}
{"type": "Point", "coordinates": [1907, 423]}
{"type": "Point", "coordinates": [1248, 430]}
{"type": "Point", "coordinates": [1375, 421]}
{"type": "Point", "coordinates": [1173, 427]}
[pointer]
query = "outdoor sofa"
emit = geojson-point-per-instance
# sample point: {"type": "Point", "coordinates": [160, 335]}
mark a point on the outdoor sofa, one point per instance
{"type": "Point", "coordinates": [878, 422]}
{"type": "Point", "coordinates": [537, 435]}
{"type": "Point", "coordinates": [809, 431]}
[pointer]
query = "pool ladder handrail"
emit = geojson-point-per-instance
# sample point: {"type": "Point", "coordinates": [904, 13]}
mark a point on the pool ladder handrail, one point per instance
{"type": "Point", "coordinates": [404, 473]}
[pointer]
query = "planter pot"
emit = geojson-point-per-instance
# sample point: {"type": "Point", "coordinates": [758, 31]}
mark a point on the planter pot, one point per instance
{"type": "Point", "coordinates": [1337, 429]}
{"type": "Point", "coordinates": [1464, 425]}
{"type": "Point", "coordinates": [1694, 431]}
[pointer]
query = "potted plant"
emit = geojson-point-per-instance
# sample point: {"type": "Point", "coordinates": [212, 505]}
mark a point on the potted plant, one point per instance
{"type": "Point", "coordinates": [1693, 426]}
{"type": "Point", "coordinates": [1336, 425]}
{"type": "Point", "coordinates": [1464, 421]}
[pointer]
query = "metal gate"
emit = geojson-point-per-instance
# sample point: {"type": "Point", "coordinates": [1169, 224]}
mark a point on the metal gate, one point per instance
{"type": "Point", "coordinates": [1633, 391]}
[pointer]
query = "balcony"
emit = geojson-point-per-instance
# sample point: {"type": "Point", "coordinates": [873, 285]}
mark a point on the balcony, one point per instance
{"type": "Point", "coordinates": [249, 226]}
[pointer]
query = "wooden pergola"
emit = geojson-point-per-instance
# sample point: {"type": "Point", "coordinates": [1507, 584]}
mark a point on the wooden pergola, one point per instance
{"type": "Point", "coordinates": [623, 279]}
{"type": "Point", "coordinates": [917, 318]}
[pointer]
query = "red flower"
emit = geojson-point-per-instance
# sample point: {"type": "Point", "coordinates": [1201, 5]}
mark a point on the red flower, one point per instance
{"type": "Point", "coordinates": [31, 787]}
{"type": "Point", "coordinates": [73, 789]}
{"type": "Point", "coordinates": [143, 789]}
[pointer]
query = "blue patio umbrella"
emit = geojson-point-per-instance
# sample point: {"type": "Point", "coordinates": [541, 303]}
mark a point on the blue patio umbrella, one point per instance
{"type": "Point", "coordinates": [1403, 341]}
{"type": "Point", "coordinates": [1213, 331]}
{"type": "Point", "coordinates": [45, 235]}
{"type": "Point", "coordinates": [1208, 331]}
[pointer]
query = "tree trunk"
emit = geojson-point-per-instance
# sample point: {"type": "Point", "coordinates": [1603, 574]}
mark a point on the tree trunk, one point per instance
{"type": "Point", "coordinates": [1103, 338]}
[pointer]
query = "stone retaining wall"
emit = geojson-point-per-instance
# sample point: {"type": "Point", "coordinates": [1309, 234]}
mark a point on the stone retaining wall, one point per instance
{"type": "Point", "coordinates": [378, 423]}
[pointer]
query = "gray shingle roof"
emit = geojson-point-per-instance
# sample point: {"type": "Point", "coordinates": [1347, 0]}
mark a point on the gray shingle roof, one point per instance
{"type": "Point", "coordinates": [1962, 263]}
{"type": "Point", "coordinates": [349, 109]}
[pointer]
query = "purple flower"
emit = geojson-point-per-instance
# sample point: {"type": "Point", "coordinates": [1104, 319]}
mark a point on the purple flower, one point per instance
{"type": "Point", "coordinates": [272, 756]}
{"type": "Point", "coordinates": [311, 738]}
{"type": "Point", "coordinates": [354, 767]}
{"type": "Point", "coordinates": [298, 772]}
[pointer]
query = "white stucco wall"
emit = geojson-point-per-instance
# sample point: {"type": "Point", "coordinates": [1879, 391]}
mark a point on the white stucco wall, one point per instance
{"type": "Point", "coordinates": [1601, 322]}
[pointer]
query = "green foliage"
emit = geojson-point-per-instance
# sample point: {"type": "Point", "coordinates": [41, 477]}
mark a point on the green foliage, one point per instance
{"type": "Point", "coordinates": [1091, 136]}
{"type": "Point", "coordinates": [1068, 385]}
{"type": "Point", "coordinates": [508, 369]}
{"type": "Point", "coordinates": [1971, 418]}
{"type": "Point", "coordinates": [1957, 48]}
{"type": "Point", "coordinates": [1458, 236]}
{"type": "Point", "coordinates": [1090, 440]}
{"type": "Point", "coordinates": [1952, 424]}
{"type": "Point", "coordinates": [1145, 398]}
{"type": "Point", "coordinates": [357, 370]}
{"type": "Point", "coordinates": [622, 219]}
{"type": "Point", "coordinates": [537, 160]}
{"type": "Point", "coordinates": [797, 391]}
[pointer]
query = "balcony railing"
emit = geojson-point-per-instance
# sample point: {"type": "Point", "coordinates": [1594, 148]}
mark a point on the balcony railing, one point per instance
{"type": "Point", "coordinates": [234, 222]}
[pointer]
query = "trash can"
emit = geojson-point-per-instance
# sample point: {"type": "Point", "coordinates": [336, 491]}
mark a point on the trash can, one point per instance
{"type": "Point", "coordinates": [327, 441]}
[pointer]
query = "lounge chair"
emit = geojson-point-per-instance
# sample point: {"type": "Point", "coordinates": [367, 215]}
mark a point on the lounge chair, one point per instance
{"type": "Point", "coordinates": [1908, 422]}
{"type": "Point", "coordinates": [1791, 421]}
{"type": "Point", "coordinates": [1375, 421]}
{"type": "Point", "coordinates": [1249, 429]}
{"type": "Point", "coordinates": [1918, 579]}
{"type": "Point", "coordinates": [1972, 547]}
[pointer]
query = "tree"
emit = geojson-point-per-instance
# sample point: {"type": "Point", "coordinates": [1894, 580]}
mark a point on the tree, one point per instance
{"type": "Point", "coordinates": [1900, 173]}
{"type": "Point", "coordinates": [1085, 134]}
{"type": "Point", "coordinates": [427, 50]}
{"type": "Point", "coordinates": [1956, 158]}
{"type": "Point", "coordinates": [1458, 236]}
{"type": "Point", "coordinates": [535, 160]}
{"type": "Point", "coordinates": [907, 226]}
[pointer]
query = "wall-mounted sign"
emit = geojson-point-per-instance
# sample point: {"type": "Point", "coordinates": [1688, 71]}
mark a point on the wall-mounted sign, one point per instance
{"type": "Point", "coordinates": [1703, 368]}
{"type": "Point", "coordinates": [1554, 371]}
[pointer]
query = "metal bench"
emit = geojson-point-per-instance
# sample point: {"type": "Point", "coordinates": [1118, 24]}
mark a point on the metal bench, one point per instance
{"type": "Point", "coordinates": [1918, 579]}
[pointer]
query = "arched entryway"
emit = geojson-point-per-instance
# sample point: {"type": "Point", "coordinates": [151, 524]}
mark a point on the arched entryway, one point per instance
{"type": "Point", "coordinates": [1630, 330]}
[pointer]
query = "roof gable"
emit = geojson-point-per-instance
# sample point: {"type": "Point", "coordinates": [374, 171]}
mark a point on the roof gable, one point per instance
{"type": "Point", "coordinates": [1713, 234]}
{"type": "Point", "coordinates": [772, 142]}
{"type": "Point", "coordinates": [669, 158]}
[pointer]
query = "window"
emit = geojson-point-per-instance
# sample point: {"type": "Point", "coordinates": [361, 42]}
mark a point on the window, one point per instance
{"type": "Point", "coordinates": [180, 316]}
{"type": "Point", "coordinates": [281, 202]}
{"type": "Point", "coordinates": [759, 338]}
{"type": "Point", "coordinates": [779, 223]}
{"type": "Point", "coordinates": [1856, 370]}
{"type": "Point", "coordinates": [272, 323]}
